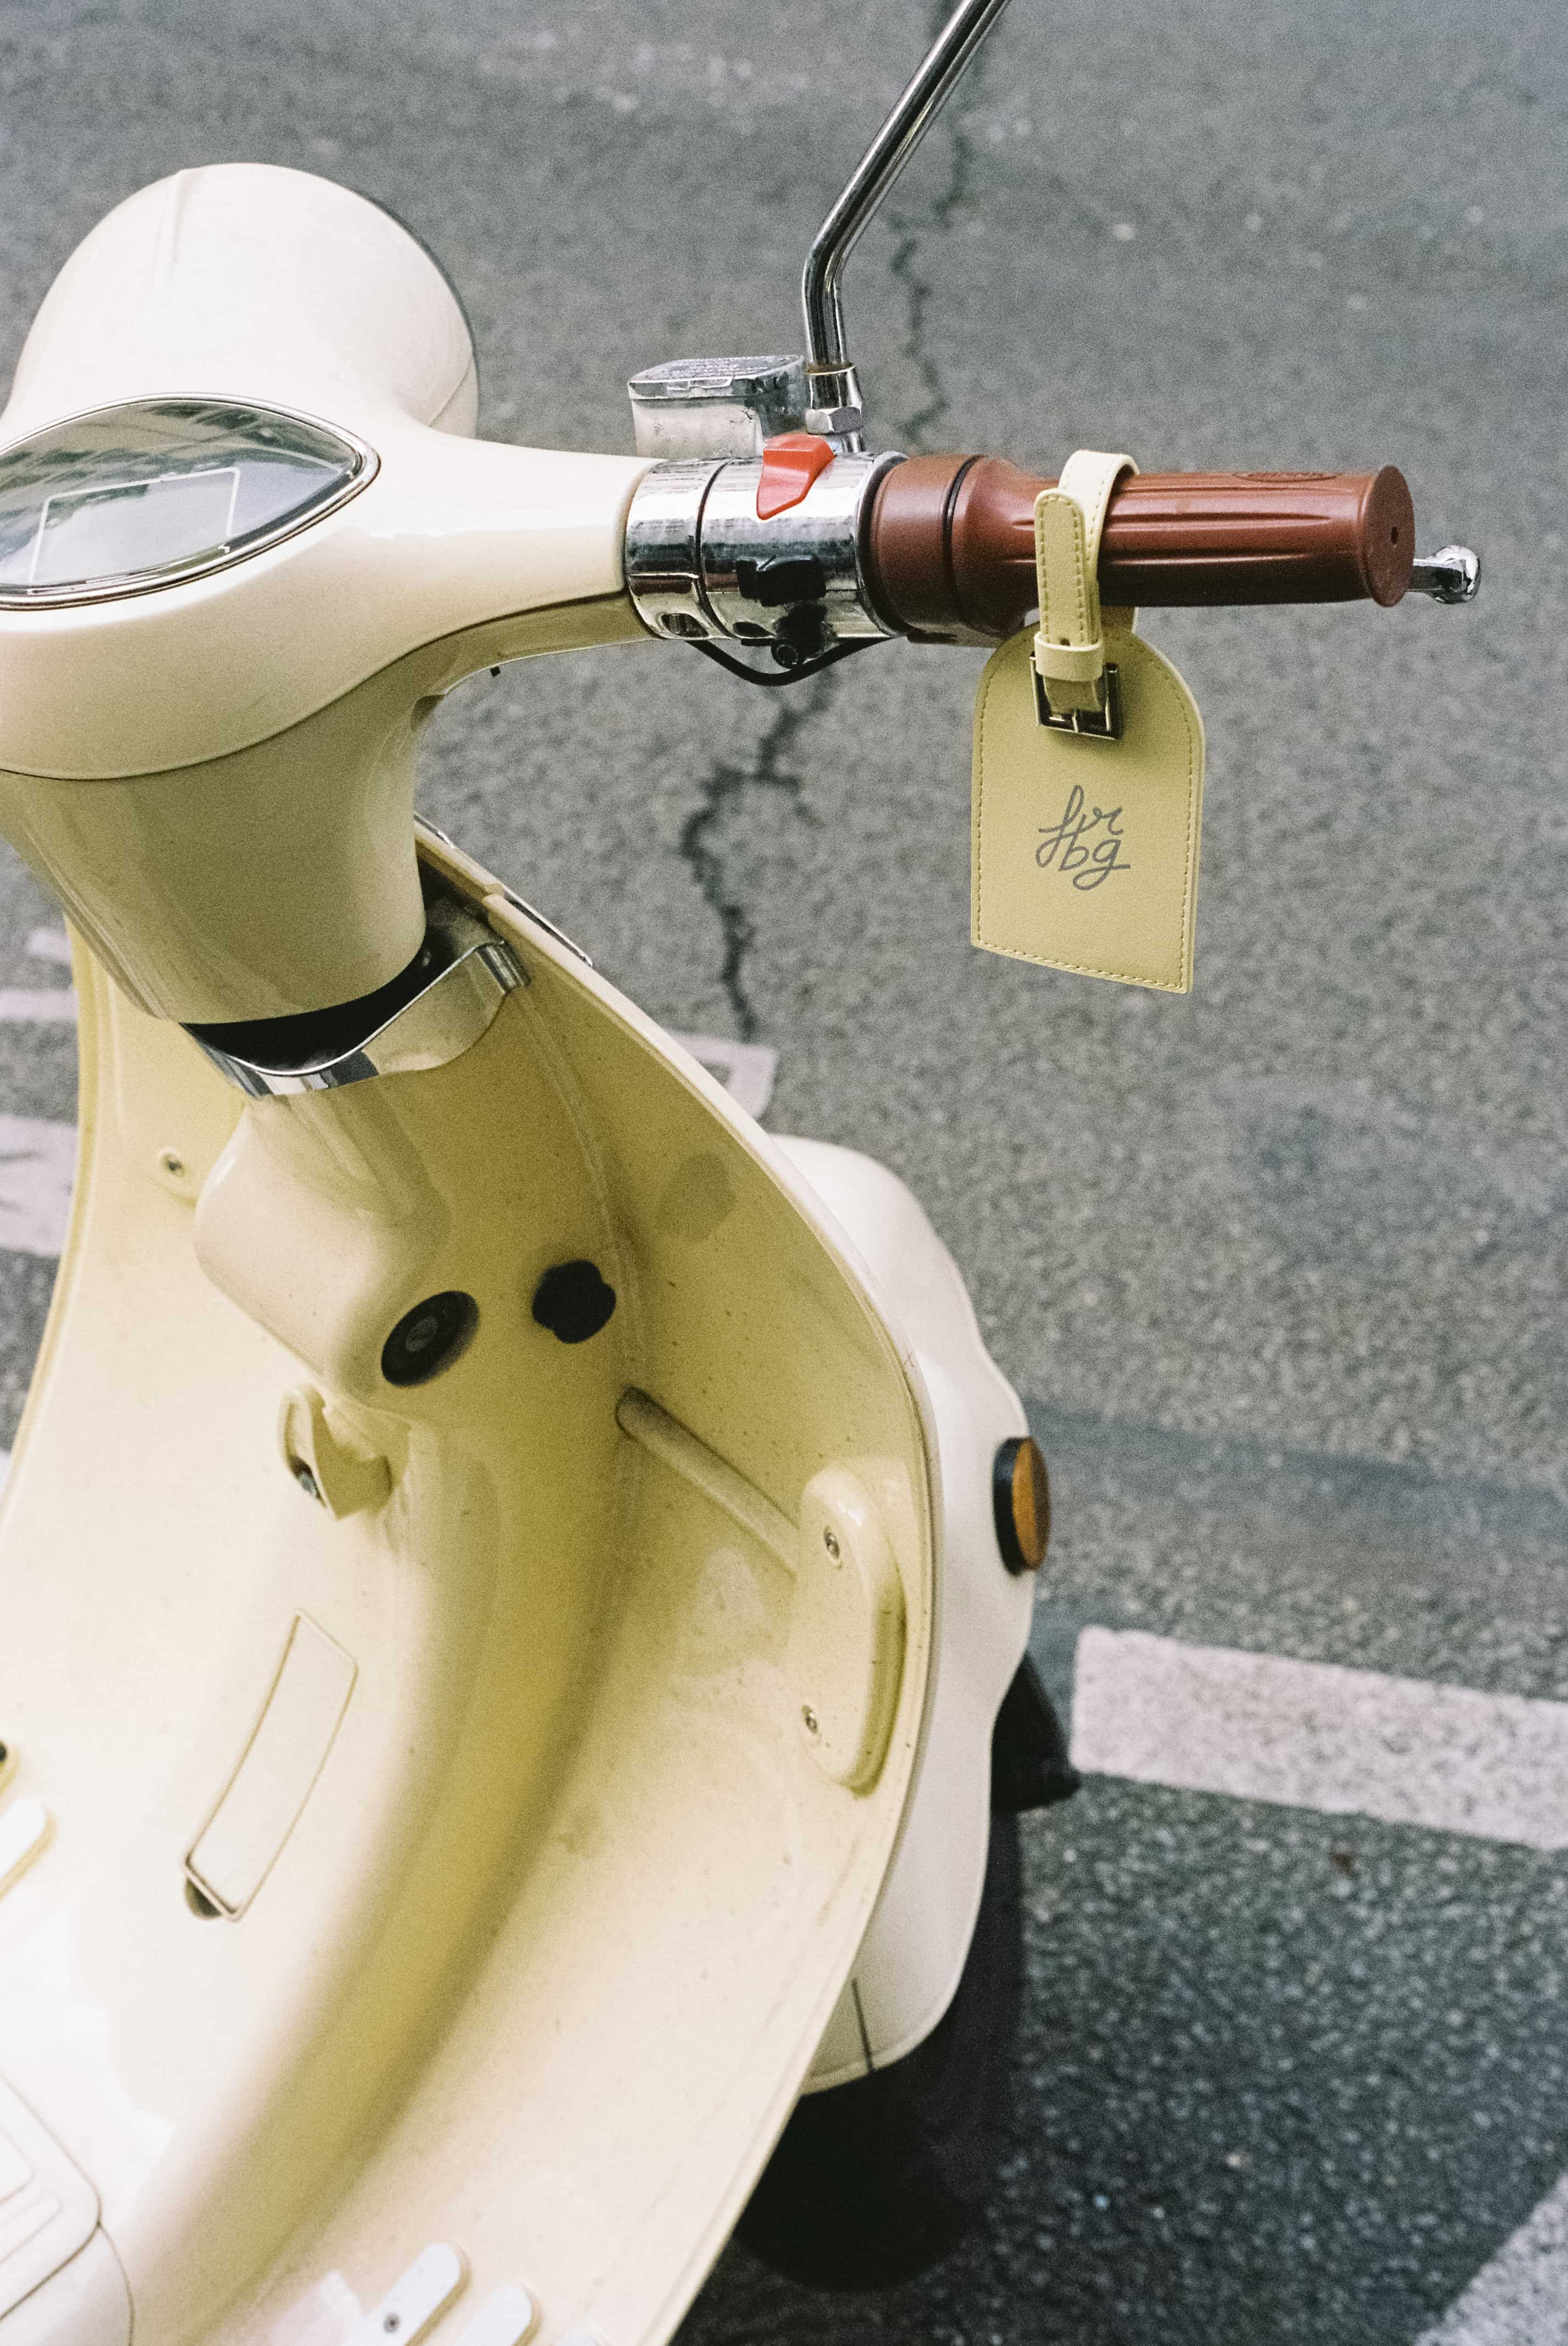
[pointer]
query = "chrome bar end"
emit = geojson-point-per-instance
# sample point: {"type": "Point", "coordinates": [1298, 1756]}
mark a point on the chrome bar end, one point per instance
{"type": "Point", "coordinates": [1451, 575]}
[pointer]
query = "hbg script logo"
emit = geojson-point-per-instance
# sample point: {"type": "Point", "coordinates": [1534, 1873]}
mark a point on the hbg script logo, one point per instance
{"type": "Point", "coordinates": [1071, 846]}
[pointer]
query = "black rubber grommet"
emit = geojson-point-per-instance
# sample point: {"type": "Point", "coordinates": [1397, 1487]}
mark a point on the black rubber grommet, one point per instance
{"type": "Point", "coordinates": [429, 1338]}
{"type": "Point", "coordinates": [574, 1300]}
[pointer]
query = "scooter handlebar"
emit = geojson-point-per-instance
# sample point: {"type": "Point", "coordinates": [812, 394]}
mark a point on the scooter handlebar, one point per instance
{"type": "Point", "coordinates": [950, 542]}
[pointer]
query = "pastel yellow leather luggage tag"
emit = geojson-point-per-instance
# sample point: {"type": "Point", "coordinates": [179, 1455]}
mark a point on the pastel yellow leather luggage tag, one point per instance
{"type": "Point", "coordinates": [1088, 770]}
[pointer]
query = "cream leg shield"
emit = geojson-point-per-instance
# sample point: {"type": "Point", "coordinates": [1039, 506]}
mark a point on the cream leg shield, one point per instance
{"type": "Point", "coordinates": [447, 1892]}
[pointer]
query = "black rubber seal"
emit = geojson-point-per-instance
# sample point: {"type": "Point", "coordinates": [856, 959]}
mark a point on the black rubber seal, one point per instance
{"type": "Point", "coordinates": [429, 1338]}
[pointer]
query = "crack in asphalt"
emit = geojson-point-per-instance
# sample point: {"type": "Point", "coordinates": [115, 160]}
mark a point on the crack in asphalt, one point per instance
{"type": "Point", "coordinates": [724, 785]}
{"type": "Point", "coordinates": [913, 230]}
{"type": "Point", "coordinates": [702, 846]}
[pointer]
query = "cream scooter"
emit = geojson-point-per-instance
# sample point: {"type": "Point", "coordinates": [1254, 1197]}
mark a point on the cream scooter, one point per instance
{"type": "Point", "coordinates": [510, 1572]}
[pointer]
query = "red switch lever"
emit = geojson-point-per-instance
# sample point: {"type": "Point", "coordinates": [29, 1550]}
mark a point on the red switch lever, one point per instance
{"type": "Point", "coordinates": [789, 465]}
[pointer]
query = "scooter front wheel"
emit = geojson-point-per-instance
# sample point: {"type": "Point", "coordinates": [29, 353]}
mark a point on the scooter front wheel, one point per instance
{"type": "Point", "coordinates": [874, 2182]}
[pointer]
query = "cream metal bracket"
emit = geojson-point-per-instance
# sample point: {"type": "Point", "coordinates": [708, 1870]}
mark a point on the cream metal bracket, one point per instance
{"type": "Point", "coordinates": [845, 1650]}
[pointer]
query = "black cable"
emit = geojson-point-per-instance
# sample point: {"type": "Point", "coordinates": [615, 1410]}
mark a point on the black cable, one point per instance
{"type": "Point", "coordinates": [771, 680]}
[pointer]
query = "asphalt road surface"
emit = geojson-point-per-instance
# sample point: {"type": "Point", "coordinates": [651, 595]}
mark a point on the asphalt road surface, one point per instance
{"type": "Point", "coordinates": [1278, 1265]}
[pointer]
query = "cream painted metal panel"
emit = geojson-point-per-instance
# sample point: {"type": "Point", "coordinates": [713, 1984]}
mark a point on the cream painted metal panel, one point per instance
{"type": "Point", "coordinates": [48, 2211]}
{"type": "Point", "coordinates": [304, 1709]}
{"type": "Point", "coordinates": [86, 2303]}
{"type": "Point", "coordinates": [571, 1904]}
{"type": "Point", "coordinates": [251, 283]}
{"type": "Point", "coordinates": [914, 1951]}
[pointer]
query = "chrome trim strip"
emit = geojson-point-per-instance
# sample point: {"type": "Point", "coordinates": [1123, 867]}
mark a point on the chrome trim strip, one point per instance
{"type": "Point", "coordinates": [447, 1018]}
{"type": "Point", "coordinates": [700, 565]}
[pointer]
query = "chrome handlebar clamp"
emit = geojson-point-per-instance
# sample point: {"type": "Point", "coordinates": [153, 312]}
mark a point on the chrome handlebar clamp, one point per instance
{"type": "Point", "coordinates": [663, 561]}
{"type": "Point", "coordinates": [701, 566]}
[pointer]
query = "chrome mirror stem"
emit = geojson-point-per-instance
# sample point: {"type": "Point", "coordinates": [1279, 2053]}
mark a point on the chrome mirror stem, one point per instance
{"type": "Point", "coordinates": [833, 389]}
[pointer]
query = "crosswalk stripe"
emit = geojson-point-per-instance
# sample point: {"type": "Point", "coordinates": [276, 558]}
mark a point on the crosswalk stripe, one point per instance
{"type": "Point", "coordinates": [746, 1070]}
{"type": "Point", "coordinates": [1521, 2298]}
{"type": "Point", "coordinates": [53, 1006]}
{"type": "Point", "coordinates": [50, 1005]}
{"type": "Point", "coordinates": [1313, 1735]}
{"type": "Point", "coordinates": [38, 1168]}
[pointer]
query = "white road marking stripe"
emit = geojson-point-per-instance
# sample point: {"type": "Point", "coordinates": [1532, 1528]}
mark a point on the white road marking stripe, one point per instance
{"type": "Point", "coordinates": [41, 1006]}
{"type": "Point", "coordinates": [745, 1069]}
{"type": "Point", "coordinates": [1310, 1734]}
{"type": "Point", "coordinates": [1521, 2298]}
{"type": "Point", "coordinates": [50, 1005]}
{"type": "Point", "coordinates": [38, 1168]}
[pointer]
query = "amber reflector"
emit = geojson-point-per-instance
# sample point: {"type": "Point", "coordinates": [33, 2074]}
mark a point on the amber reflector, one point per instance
{"type": "Point", "coordinates": [1020, 1493]}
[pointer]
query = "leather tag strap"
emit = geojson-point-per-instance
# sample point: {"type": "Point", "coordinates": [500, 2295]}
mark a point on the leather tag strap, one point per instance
{"type": "Point", "coordinates": [1069, 645]}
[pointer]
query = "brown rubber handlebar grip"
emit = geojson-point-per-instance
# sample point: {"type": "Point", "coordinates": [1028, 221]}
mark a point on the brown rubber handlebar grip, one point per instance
{"type": "Point", "coordinates": [950, 546]}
